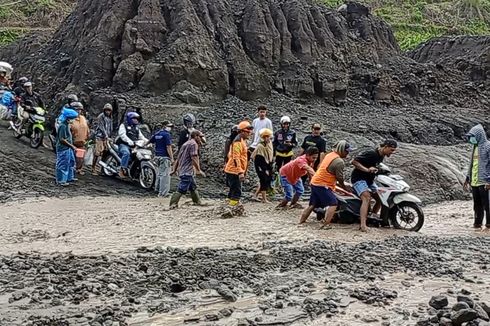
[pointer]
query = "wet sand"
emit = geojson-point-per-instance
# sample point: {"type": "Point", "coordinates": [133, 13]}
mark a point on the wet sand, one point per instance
{"type": "Point", "coordinates": [86, 225]}
{"type": "Point", "coordinates": [118, 226]}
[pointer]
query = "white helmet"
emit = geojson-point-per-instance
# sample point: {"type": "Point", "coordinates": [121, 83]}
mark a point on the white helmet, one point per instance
{"type": "Point", "coordinates": [285, 119]}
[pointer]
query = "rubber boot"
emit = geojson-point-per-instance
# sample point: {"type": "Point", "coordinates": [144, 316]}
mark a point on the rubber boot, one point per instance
{"type": "Point", "coordinates": [174, 200]}
{"type": "Point", "coordinates": [196, 198]}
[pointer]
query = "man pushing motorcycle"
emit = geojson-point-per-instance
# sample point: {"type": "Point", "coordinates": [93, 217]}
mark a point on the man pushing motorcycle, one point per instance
{"type": "Point", "coordinates": [129, 132]}
{"type": "Point", "coordinates": [362, 178]}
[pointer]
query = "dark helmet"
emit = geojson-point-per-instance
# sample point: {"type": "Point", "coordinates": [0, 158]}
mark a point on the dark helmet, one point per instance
{"type": "Point", "coordinates": [130, 116]}
{"type": "Point", "coordinates": [189, 120]}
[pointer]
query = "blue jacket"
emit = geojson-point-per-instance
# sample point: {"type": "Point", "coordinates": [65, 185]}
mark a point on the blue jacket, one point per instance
{"type": "Point", "coordinates": [483, 153]}
{"type": "Point", "coordinates": [8, 100]}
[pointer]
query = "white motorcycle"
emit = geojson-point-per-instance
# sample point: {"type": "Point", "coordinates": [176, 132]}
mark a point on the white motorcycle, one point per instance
{"type": "Point", "coordinates": [399, 208]}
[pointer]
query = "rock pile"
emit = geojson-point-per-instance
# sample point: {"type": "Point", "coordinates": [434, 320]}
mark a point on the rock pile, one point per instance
{"type": "Point", "coordinates": [466, 311]}
{"type": "Point", "coordinates": [285, 279]}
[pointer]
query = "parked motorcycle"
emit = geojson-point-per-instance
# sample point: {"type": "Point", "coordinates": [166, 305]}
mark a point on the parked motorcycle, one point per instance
{"type": "Point", "coordinates": [140, 169]}
{"type": "Point", "coordinates": [399, 208]}
{"type": "Point", "coordinates": [29, 122]}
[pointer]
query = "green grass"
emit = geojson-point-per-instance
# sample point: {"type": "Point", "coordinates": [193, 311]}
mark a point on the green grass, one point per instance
{"type": "Point", "coordinates": [19, 18]}
{"type": "Point", "coordinates": [8, 36]}
{"type": "Point", "coordinates": [416, 21]}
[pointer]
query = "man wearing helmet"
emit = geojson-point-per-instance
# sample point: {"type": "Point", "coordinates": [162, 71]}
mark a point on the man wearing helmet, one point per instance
{"type": "Point", "coordinates": [18, 86]}
{"type": "Point", "coordinates": [189, 121]}
{"type": "Point", "coordinates": [284, 143]}
{"type": "Point", "coordinates": [129, 132]}
{"type": "Point", "coordinates": [30, 95]}
{"type": "Point", "coordinates": [236, 167]}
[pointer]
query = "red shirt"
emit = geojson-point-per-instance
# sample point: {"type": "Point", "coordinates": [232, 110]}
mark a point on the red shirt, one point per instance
{"type": "Point", "coordinates": [295, 169]}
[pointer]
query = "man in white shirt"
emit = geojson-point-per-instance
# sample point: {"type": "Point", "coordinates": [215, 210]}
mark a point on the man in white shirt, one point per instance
{"type": "Point", "coordinates": [260, 123]}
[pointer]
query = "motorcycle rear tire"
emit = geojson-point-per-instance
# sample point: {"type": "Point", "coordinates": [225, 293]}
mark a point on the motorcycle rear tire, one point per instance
{"type": "Point", "coordinates": [416, 208]}
{"type": "Point", "coordinates": [36, 138]}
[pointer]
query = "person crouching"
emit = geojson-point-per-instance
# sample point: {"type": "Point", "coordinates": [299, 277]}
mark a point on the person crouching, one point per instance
{"type": "Point", "coordinates": [329, 173]}
{"type": "Point", "coordinates": [291, 174]}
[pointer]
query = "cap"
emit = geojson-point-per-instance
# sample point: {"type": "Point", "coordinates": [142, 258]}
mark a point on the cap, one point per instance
{"type": "Point", "coordinates": [77, 105]}
{"type": "Point", "coordinates": [167, 123]}
{"type": "Point", "coordinates": [28, 84]}
{"type": "Point", "coordinates": [244, 126]}
{"type": "Point", "coordinates": [389, 143]}
{"type": "Point", "coordinates": [107, 106]}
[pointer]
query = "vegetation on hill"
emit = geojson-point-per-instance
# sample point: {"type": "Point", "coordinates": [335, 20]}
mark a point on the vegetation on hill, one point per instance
{"type": "Point", "coordinates": [20, 16]}
{"type": "Point", "coordinates": [416, 21]}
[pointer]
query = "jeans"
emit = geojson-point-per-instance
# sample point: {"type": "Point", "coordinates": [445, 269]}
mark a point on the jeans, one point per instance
{"type": "Point", "coordinates": [288, 188]}
{"type": "Point", "coordinates": [125, 154]}
{"type": "Point", "coordinates": [162, 183]}
{"type": "Point", "coordinates": [362, 186]}
{"type": "Point", "coordinates": [187, 183]}
{"type": "Point", "coordinates": [481, 205]}
{"type": "Point", "coordinates": [65, 166]}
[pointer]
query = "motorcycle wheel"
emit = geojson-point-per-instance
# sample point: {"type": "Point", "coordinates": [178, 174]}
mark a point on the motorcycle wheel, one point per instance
{"type": "Point", "coordinates": [147, 176]}
{"type": "Point", "coordinates": [15, 131]}
{"type": "Point", "coordinates": [112, 163]}
{"type": "Point", "coordinates": [37, 138]}
{"type": "Point", "coordinates": [407, 216]}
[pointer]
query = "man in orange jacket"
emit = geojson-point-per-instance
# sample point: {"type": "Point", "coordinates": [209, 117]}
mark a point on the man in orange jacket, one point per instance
{"type": "Point", "coordinates": [329, 173]}
{"type": "Point", "coordinates": [236, 167]}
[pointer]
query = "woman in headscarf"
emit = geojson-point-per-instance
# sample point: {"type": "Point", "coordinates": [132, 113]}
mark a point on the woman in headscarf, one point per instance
{"type": "Point", "coordinates": [81, 132]}
{"type": "Point", "coordinates": [263, 157]}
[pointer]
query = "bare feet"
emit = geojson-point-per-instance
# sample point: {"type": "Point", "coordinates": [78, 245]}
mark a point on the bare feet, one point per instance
{"type": "Point", "coordinates": [299, 206]}
{"type": "Point", "coordinates": [364, 229]}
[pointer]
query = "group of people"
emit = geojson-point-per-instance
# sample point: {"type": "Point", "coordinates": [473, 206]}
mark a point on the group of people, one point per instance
{"type": "Point", "coordinates": [272, 154]}
{"type": "Point", "coordinates": [324, 169]}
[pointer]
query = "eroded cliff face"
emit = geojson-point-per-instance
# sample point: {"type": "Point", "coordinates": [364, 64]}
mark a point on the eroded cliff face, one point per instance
{"type": "Point", "coordinates": [468, 54]}
{"type": "Point", "coordinates": [243, 48]}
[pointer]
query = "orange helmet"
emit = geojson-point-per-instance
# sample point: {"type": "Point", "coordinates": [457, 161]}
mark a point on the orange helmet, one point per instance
{"type": "Point", "coordinates": [245, 126]}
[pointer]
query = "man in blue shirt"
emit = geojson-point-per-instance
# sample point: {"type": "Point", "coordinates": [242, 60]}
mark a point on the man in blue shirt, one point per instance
{"type": "Point", "coordinates": [164, 158]}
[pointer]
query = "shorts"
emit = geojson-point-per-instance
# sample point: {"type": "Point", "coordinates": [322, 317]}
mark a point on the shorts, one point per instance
{"type": "Point", "coordinates": [362, 186]}
{"type": "Point", "coordinates": [288, 188]}
{"type": "Point", "coordinates": [186, 183]}
{"type": "Point", "coordinates": [322, 197]}
{"type": "Point", "coordinates": [100, 147]}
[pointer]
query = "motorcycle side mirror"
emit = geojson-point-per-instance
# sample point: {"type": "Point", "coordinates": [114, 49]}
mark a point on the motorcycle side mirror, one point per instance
{"type": "Point", "coordinates": [383, 169]}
